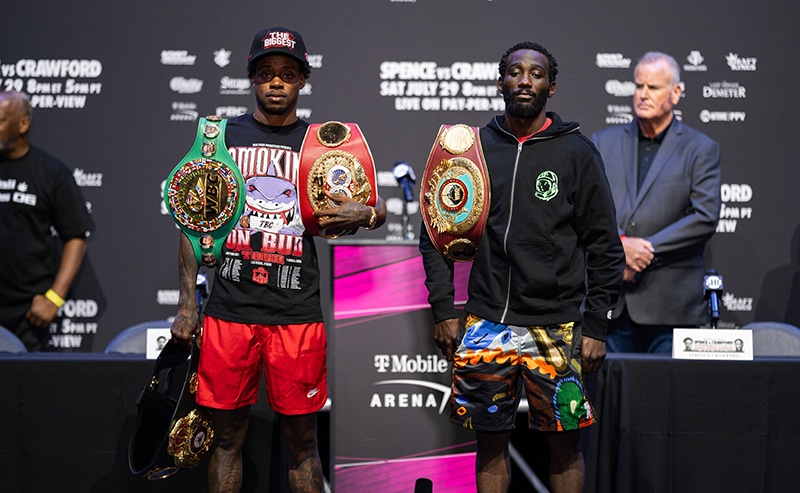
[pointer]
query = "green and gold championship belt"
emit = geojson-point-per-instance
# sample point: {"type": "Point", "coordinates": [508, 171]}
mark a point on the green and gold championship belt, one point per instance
{"type": "Point", "coordinates": [454, 192]}
{"type": "Point", "coordinates": [205, 192]}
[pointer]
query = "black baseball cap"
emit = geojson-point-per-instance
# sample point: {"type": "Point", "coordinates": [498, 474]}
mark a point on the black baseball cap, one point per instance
{"type": "Point", "coordinates": [279, 41]}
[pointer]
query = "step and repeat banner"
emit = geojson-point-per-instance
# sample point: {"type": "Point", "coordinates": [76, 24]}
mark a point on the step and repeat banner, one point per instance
{"type": "Point", "coordinates": [118, 89]}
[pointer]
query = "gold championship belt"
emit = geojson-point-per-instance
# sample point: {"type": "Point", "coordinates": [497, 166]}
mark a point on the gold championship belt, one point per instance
{"type": "Point", "coordinates": [205, 192]}
{"type": "Point", "coordinates": [172, 431]}
{"type": "Point", "coordinates": [335, 158]}
{"type": "Point", "coordinates": [454, 192]}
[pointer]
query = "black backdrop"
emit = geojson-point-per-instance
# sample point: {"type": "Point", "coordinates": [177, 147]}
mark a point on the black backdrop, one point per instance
{"type": "Point", "coordinates": [118, 88]}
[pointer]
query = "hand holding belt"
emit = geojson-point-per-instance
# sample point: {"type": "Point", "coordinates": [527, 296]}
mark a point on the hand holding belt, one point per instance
{"type": "Point", "coordinates": [205, 192]}
{"type": "Point", "coordinates": [335, 158]}
{"type": "Point", "coordinates": [454, 192]}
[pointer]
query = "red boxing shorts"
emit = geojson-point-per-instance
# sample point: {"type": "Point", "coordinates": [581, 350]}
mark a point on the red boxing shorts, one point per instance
{"type": "Point", "coordinates": [292, 357]}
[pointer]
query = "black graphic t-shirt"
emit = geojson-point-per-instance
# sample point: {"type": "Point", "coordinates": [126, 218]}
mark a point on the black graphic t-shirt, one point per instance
{"type": "Point", "coordinates": [37, 191]}
{"type": "Point", "coordinates": [269, 272]}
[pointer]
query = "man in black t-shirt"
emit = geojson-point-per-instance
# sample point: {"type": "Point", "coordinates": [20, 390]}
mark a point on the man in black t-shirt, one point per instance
{"type": "Point", "coordinates": [263, 315]}
{"type": "Point", "coordinates": [37, 193]}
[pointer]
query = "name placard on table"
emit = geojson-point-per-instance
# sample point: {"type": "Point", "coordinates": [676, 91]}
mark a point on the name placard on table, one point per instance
{"type": "Point", "coordinates": [722, 344]}
{"type": "Point", "coordinates": [156, 339]}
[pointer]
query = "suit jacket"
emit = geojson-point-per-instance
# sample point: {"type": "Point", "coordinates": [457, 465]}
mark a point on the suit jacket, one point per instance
{"type": "Point", "coordinates": [676, 209]}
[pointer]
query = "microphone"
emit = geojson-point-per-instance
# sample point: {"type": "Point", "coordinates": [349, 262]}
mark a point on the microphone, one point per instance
{"type": "Point", "coordinates": [712, 289]}
{"type": "Point", "coordinates": [423, 485]}
{"type": "Point", "coordinates": [404, 175]}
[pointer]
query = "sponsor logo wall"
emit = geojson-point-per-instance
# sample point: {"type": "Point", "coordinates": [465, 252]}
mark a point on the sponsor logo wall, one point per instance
{"type": "Point", "coordinates": [118, 90]}
{"type": "Point", "coordinates": [118, 101]}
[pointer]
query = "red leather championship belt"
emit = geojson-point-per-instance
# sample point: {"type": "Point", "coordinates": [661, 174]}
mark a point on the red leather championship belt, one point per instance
{"type": "Point", "coordinates": [454, 192]}
{"type": "Point", "coordinates": [335, 157]}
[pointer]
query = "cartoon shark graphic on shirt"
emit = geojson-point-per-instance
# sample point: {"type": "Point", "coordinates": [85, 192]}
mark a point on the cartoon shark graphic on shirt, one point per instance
{"type": "Point", "coordinates": [271, 205]}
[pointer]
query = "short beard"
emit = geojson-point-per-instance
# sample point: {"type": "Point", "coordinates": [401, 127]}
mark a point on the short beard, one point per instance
{"type": "Point", "coordinates": [274, 110]}
{"type": "Point", "coordinates": [525, 110]}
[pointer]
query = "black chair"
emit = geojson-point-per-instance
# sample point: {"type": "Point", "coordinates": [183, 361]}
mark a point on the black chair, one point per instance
{"type": "Point", "coordinates": [774, 338]}
{"type": "Point", "coordinates": [10, 343]}
{"type": "Point", "coordinates": [133, 340]}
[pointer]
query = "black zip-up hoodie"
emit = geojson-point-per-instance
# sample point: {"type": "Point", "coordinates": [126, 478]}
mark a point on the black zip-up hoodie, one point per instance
{"type": "Point", "coordinates": [550, 241]}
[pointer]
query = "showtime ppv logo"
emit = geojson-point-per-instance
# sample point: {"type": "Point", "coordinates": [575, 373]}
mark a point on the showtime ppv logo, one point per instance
{"type": "Point", "coordinates": [708, 116]}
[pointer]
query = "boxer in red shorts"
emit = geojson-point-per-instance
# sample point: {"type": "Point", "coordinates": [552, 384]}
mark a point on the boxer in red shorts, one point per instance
{"type": "Point", "coordinates": [264, 312]}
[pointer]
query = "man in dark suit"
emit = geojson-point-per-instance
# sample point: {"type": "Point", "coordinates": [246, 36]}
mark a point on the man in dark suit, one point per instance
{"type": "Point", "coordinates": [665, 178]}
